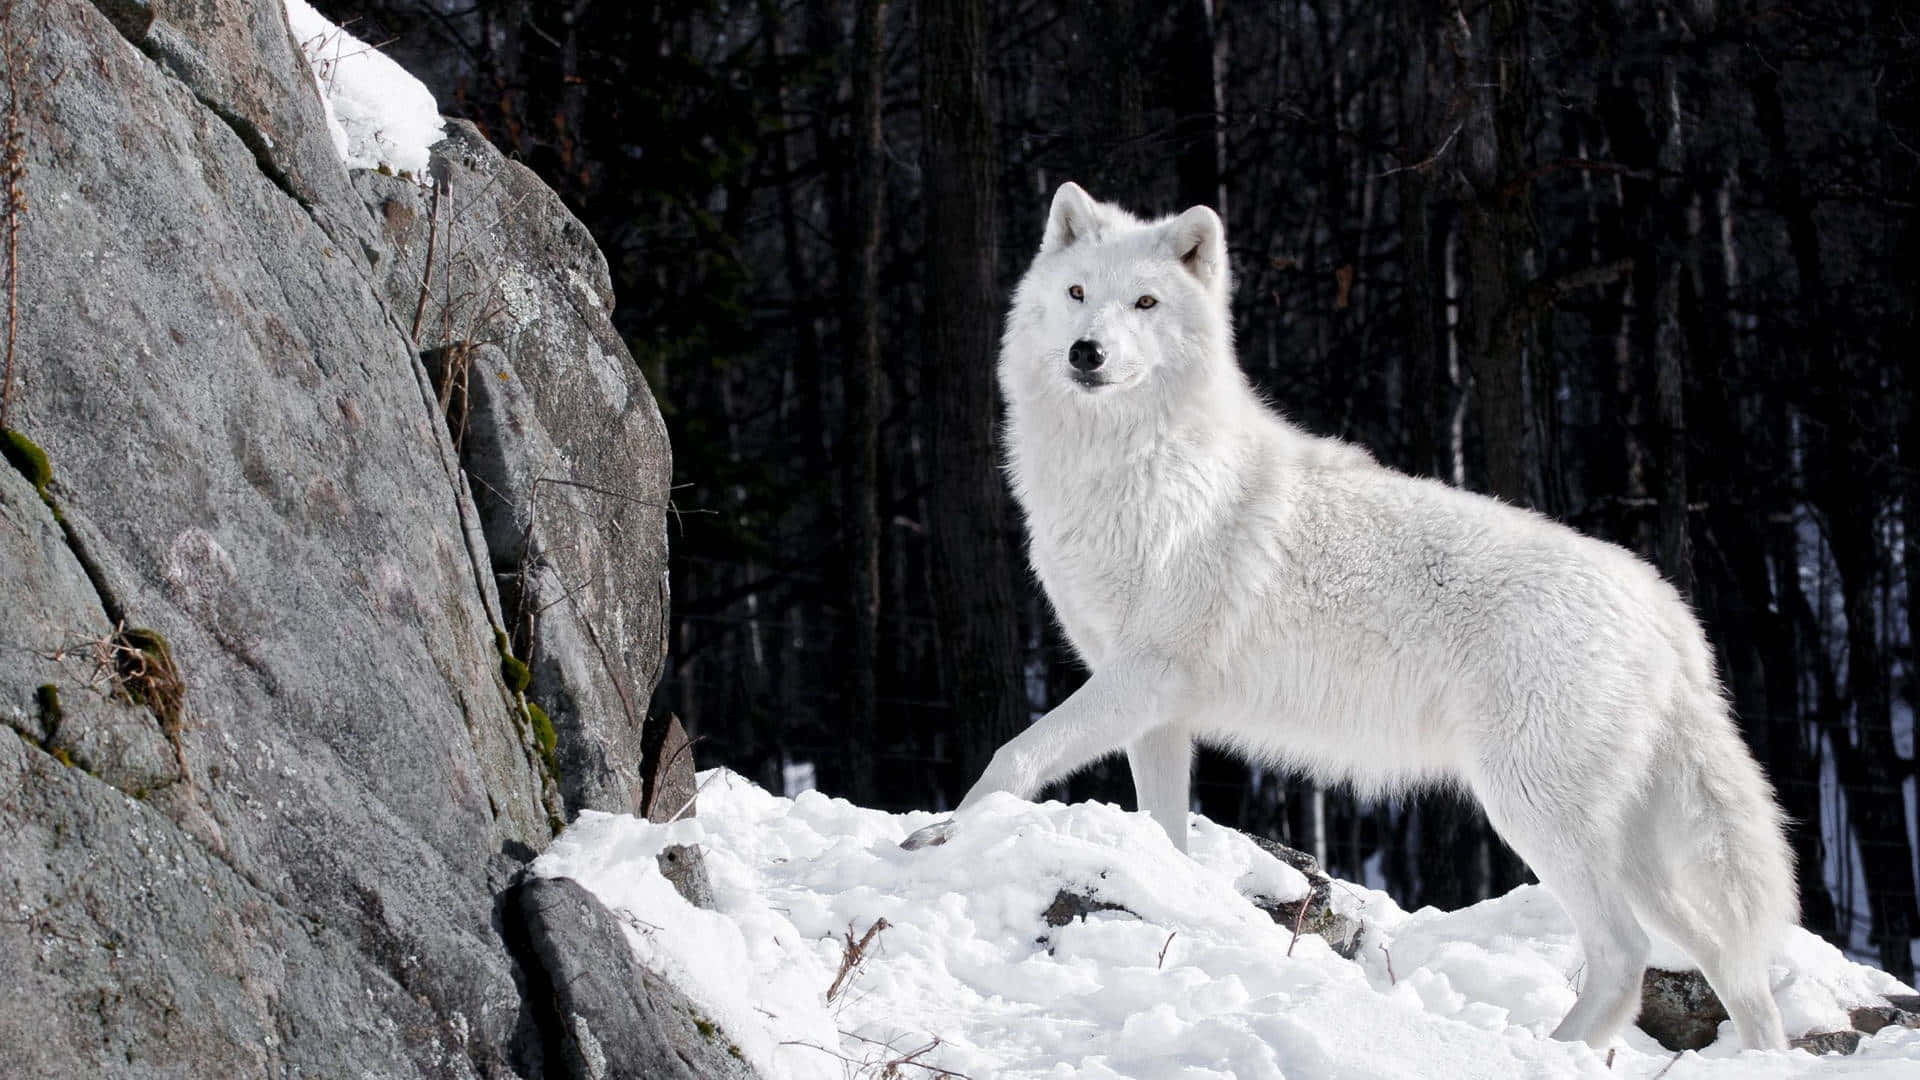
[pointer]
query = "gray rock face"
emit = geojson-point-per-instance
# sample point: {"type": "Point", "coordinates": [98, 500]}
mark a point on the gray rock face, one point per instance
{"type": "Point", "coordinates": [612, 1017]}
{"type": "Point", "coordinates": [130, 948]}
{"type": "Point", "coordinates": [296, 871]}
{"type": "Point", "coordinates": [49, 606]}
{"type": "Point", "coordinates": [557, 429]}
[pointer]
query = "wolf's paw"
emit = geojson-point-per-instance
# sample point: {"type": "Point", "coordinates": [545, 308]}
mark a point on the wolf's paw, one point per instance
{"type": "Point", "coordinates": [932, 836]}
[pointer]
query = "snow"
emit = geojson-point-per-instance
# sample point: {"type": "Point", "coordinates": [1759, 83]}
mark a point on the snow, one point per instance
{"type": "Point", "coordinates": [1195, 984]}
{"type": "Point", "coordinates": [378, 114]}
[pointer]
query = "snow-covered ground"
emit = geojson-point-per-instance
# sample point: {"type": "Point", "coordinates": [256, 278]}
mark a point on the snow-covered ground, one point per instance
{"type": "Point", "coordinates": [1195, 983]}
{"type": "Point", "coordinates": [377, 113]}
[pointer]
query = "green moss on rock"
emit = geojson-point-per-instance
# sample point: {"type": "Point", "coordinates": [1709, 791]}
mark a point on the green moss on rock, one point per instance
{"type": "Point", "coordinates": [26, 456]}
{"type": "Point", "coordinates": [544, 737]}
{"type": "Point", "coordinates": [543, 732]}
{"type": "Point", "coordinates": [512, 669]}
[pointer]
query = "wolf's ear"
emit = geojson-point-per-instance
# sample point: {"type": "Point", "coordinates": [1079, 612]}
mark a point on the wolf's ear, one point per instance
{"type": "Point", "coordinates": [1199, 241]}
{"type": "Point", "coordinates": [1071, 220]}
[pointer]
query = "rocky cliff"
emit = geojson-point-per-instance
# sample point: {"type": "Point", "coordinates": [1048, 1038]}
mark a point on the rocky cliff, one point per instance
{"type": "Point", "coordinates": [332, 578]}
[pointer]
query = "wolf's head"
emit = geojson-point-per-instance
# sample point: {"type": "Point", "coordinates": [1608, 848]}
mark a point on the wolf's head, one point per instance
{"type": "Point", "coordinates": [1114, 307]}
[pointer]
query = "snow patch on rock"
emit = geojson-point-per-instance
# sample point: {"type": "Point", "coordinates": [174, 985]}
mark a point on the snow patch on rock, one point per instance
{"type": "Point", "coordinates": [378, 113]}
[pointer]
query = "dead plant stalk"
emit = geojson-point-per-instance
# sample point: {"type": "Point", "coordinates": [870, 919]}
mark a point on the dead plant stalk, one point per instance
{"type": "Point", "coordinates": [16, 53]}
{"type": "Point", "coordinates": [855, 954]}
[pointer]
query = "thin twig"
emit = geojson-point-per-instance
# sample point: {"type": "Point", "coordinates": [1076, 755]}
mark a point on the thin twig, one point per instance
{"type": "Point", "coordinates": [1163, 950]}
{"type": "Point", "coordinates": [856, 952]}
{"type": "Point", "coordinates": [886, 1068]}
{"type": "Point", "coordinates": [1391, 980]}
{"type": "Point", "coordinates": [1671, 1062]}
{"type": "Point", "coordinates": [690, 798]}
{"type": "Point", "coordinates": [1427, 163]}
{"type": "Point", "coordinates": [15, 54]}
{"type": "Point", "coordinates": [601, 491]}
{"type": "Point", "coordinates": [1300, 919]}
{"type": "Point", "coordinates": [660, 772]}
{"type": "Point", "coordinates": [426, 278]}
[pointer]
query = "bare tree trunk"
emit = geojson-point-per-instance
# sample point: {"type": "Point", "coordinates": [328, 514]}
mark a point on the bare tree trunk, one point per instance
{"type": "Point", "coordinates": [1198, 127]}
{"type": "Point", "coordinates": [1662, 213]}
{"type": "Point", "coordinates": [972, 573]}
{"type": "Point", "coordinates": [1419, 150]}
{"type": "Point", "coordinates": [1111, 136]}
{"type": "Point", "coordinates": [1500, 237]}
{"type": "Point", "coordinates": [863, 395]}
{"type": "Point", "coordinates": [1499, 233]}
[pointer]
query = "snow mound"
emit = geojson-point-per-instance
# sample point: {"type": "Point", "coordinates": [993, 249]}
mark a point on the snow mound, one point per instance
{"type": "Point", "coordinates": [378, 114]}
{"type": "Point", "coordinates": [1189, 982]}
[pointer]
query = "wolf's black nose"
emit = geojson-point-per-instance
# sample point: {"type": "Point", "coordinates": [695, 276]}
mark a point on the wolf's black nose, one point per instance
{"type": "Point", "coordinates": [1086, 355]}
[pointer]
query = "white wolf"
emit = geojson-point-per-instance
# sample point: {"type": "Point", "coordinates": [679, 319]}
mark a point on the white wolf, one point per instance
{"type": "Point", "coordinates": [1230, 578]}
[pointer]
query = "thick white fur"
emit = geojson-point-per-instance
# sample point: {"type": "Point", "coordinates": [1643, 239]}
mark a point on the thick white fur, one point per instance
{"type": "Point", "coordinates": [1230, 578]}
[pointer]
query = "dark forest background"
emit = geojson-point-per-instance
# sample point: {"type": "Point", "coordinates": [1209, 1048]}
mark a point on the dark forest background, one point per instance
{"type": "Point", "coordinates": [1648, 267]}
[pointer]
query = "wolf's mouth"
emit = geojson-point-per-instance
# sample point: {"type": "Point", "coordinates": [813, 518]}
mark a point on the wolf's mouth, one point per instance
{"type": "Point", "coordinates": [1088, 380]}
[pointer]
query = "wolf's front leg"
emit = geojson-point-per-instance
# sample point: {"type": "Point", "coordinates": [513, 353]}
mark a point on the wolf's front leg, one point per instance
{"type": "Point", "coordinates": [1162, 764]}
{"type": "Point", "coordinates": [1118, 704]}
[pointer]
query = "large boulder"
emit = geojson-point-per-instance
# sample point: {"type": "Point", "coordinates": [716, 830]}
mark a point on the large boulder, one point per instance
{"type": "Point", "coordinates": [266, 764]}
{"type": "Point", "coordinates": [559, 434]}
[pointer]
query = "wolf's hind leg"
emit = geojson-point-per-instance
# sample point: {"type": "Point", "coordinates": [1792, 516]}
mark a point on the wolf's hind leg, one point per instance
{"type": "Point", "coordinates": [1162, 765]}
{"type": "Point", "coordinates": [1615, 947]}
{"type": "Point", "coordinates": [1587, 882]}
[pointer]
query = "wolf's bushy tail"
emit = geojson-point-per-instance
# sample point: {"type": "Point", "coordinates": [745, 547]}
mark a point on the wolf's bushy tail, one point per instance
{"type": "Point", "coordinates": [1741, 868]}
{"type": "Point", "coordinates": [1741, 832]}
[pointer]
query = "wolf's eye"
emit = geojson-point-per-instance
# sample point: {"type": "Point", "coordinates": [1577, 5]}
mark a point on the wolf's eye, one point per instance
{"type": "Point", "coordinates": [1145, 302]}
{"type": "Point", "coordinates": [1077, 293]}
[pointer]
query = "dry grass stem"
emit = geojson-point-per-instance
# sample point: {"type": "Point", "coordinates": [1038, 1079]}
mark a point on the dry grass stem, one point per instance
{"type": "Point", "coordinates": [889, 1068]}
{"type": "Point", "coordinates": [135, 666]}
{"type": "Point", "coordinates": [854, 955]}
{"type": "Point", "coordinates": [17, 53]}
{"type": "Point", "coordinates": [1300, 919]}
